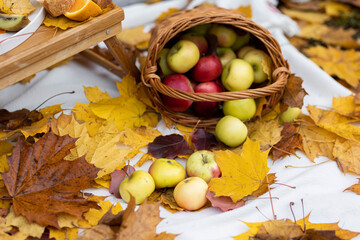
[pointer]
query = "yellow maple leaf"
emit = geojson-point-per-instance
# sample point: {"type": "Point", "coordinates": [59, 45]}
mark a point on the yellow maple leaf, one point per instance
{"type": "Point", "coordinates": [22, 7]}
{"type": "Point", "coordinates": [61, 22]}
{"type": "Point", "coordinates": [31, 229]}
{"type": "Point", "coordinates": [94, 215]}
{"type": "Point", "coordinates": [83, 113]}
{"type": "Point", "coordinates": [7, 233]}
{"type": "Point", "coordinates": [307, 16]}
{"type": "Point", "coordinates": [134, 36]}
{"type": "Point", "coordinates": [346, 106]}
{"type": "Point", "coordinates": [317, 141]}
{"type": "Point", "coordinates": [346, 153]}
{"type": "Point", "coordinates": [341, 233]}
{"type": "Point", "coordinates": [124, 111]}
{"type": "Point", "coordinates": [241, 174]}
{"type": "Point", "coordinates": [337, 62]}
{"type": "Point", "coordinates": [138, 137]}
{"type": "Point", "coordinates": [246, 10]}
{"type": "Point", "coordinates": [94, 94]}
{"type": "Point", "coordinates": [267, 133]}
{"type": "Point", "coordinates": [127, 87]}
{"type": "Point", "coordinates": [166, 14]}
{"type": "Point", "coordinates": [335, 9]}
{"type": "Point", "coordinates": [63, 234]}
{"type": "Point", "coordinates": [334, 122]}
{"type": "Point", "coordinates": [287, 229]}
{"type": "Point", "coordinates": [329, 35]}
{"type": "Point", "coordinates": [4, 8]}
{"type": "Point", "coordinates": [145, 157]}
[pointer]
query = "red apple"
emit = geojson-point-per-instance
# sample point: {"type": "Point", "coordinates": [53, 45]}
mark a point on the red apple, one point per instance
{"type": "Point", "coordinates": [207, 69]}
{"type": "Point", "coordinates": [207, 109]}
{"type": "Point", "coordinates": [179, 82]}
{"type": "Point", "coordinates": [225, 34]}
{"type": "Point", "coordinates": [202, 164]}
{"type": "Point", "coordinates": [199, 40]}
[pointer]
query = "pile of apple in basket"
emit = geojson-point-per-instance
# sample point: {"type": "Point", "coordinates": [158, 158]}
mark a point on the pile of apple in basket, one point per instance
{"type": "Point", "coordinates": [215, 58]}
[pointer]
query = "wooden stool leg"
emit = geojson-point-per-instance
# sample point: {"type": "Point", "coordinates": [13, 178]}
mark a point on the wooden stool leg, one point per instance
{"type": "Point", "coordinates": [118, 51]}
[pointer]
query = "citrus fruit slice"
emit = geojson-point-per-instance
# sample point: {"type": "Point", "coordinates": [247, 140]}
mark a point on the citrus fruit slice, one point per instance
{"type": "Point", "coordinates": [83, 10]}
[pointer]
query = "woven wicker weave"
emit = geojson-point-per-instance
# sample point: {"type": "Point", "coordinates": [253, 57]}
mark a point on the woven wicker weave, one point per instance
{"type": "Point", "coordinates": [186, 19]}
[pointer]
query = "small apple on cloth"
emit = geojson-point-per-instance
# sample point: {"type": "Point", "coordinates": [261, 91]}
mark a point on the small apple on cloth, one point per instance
{"type": "Point", "coordinates": [190, 193]}
{"type": "Point", "coordinates": [202, 164]}
{"type": "Point", "coordinates": [139, 184]}
{"type": "Point", "coordinates": [166, 172]}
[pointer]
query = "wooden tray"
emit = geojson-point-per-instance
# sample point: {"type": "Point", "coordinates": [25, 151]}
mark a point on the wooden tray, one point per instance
{"type": "Point", "coordinates": [48, 46]}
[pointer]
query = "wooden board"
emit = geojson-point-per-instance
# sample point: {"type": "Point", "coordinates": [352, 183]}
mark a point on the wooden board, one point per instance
{"type": "Point", "coordinates": [48, 46]}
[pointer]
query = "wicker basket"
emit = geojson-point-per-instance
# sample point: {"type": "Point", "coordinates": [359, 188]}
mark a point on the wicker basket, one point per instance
{"type": "Point", "coordinates": [183, 20]}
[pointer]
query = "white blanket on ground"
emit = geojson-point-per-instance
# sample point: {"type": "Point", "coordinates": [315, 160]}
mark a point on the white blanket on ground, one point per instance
{"type": "Point", "coordinates": [321, 187]}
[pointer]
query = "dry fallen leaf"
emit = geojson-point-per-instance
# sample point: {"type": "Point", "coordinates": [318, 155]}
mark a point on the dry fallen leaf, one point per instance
{"type": "Point", "coordinates": [141, 224]}
{"type": "Point", "coordinates": [43, 185]}
{"type": "Point", "coordinates": [334, 122]}
{"type": "Point", "coordinates": [134, 36]}
{"type": "Point", "coordinates": [316, 140]}
{"type": "Point", "coordinates": [337, 62]}
{"type": "Point", "coordinates": [241, 174]}
{"type": "Point", "coordinates": [286, 229]}
{"type": "Point", "coordinates": [22, 7]}
{"type": "Point", "coordinates": [166, 14]}
{"type": "Point", "coordinates": [346, 106]}
{"type": "Point", "coordinates": [294, 93]}
{"type": "Point", "coordinates": [245, 10]}
{"type": "Point", "coordinates": [289, 143]}
{"type": "Point", "coordinates": [267, 133]}
{"type": "Point", "coordinates": [330, 35]}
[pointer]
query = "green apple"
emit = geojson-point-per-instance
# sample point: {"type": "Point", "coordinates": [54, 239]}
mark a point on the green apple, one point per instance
{"type": "Point", "coordinates": [139, 184]}
{"type": "Point", "coordinates": [237, 75]}
{"type": "Point", "coordinates": [225, 55]}
{"type": "Point", "coordinates": [183, 56]}
{"type": "Point", "coordinates": [225, 34]}
{"type": "Point", "coordinates": [243, 51]}
{"type": "Point", "coordinates": [231, 131]}
{"type": "Point", "coordinates": [290, 114]}
{"type": "Point", "coordinates": [241, 40]}
{"type": "Point", "coordinates": [261, 64]}
{"type": "Point", "coordinates": [243, 109]}
{"type": "Point", "coordinates": [190, 193]}
{"type": "Point", "coordinates": [200, 29]}
{"type": "Point", "coordinates": [202, 164]}
{"type": "Point", "coordinates": [166, 172]}
{"type": "Point", "coordinates": [162, 59]}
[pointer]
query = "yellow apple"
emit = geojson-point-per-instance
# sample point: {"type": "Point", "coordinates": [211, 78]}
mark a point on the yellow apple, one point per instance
{"type": "Point", "coordinates": [243, 109]}
{"type": "Point", "coordinates": [166, 172]}
{"type": "Point", "coordinates": [190, 193]}
{"type": "Point", "coordinates": [231, 131]}
{"type": "Point", "coordinates": [237, 75]}
{"type": "Point", "coordinates": [139, 184]}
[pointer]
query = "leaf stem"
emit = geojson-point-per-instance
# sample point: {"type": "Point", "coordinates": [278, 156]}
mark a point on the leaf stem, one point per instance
{"type": "Point", "coordinates": [271, 202]}
{"type": "Point", "coordinates": [308, 165]}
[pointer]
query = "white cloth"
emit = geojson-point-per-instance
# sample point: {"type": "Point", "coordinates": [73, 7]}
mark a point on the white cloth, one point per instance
{"type": "Point", "coordinates": [321, 187]}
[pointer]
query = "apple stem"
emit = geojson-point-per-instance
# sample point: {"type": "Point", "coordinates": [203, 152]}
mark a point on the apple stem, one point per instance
{"type": "Point", "coordinates": [271, 202]}
{"type": "Point", "coordinates": [308, 165]}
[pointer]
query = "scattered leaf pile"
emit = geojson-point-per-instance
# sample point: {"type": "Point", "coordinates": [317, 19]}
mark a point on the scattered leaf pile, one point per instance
{"type": "Point", "coordinates": [329, 36]}
{"type": "Point", "coordinates": [56, 156]}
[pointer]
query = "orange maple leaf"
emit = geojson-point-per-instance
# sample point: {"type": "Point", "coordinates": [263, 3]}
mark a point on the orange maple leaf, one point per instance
{"type": "Point", "coordinates": [43, 185]}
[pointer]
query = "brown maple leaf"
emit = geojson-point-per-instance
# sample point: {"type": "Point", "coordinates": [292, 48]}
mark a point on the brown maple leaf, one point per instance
{"type": "Point", "coordinates": [19, 118]}
{"type": "Point", "coordinates": [142, 223]}
{"type": "Point", "coordinates": [294, 93]}
{"type": "Point", "coordinates": [291, 141]}
{"type": "Point", "coordinates": [42, 184]}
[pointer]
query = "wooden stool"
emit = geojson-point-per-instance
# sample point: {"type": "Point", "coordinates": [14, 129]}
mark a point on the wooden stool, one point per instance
{"type": "Point", "coordinates": [48, 46]}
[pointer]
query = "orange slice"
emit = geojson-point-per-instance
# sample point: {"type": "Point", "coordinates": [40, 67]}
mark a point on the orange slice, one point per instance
{"type": "Point", "coordinates": [83, 10]}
